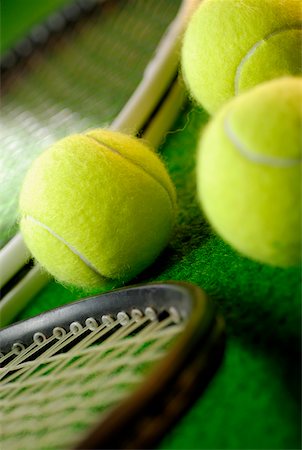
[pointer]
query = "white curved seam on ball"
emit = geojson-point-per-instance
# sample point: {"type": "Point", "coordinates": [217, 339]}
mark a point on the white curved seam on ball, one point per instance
{"type": "Point", "coordinates": [69, 246]}
{"type": "Point", "coordinates": [294, 27]}
{"type": "Point", "coordinates": [135, 164]}
{"type": "Point", "coordinates": [256, 157]}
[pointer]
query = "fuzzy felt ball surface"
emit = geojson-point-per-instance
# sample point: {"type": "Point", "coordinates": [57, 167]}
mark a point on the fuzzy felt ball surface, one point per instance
{"type": "Point", "coordinates": [249, 172]}
{"type": "Point", "coordinates": [97, 208]}
{"type": "Point", "coordinates": [230, 46]}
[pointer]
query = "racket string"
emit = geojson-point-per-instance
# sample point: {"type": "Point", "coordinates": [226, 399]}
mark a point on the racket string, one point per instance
{"type": "Point", "coordinates": [56, 363]}
{"type": "Point", "coordinates": [81, 78]}
{"type": "Point", "coordinates": [69, 391]}
{"type": "Point", "coordinates": [64, 380]}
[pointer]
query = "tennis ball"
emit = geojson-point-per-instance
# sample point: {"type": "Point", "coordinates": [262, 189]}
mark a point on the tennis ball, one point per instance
{"type": "Point", "coordinates": [230, 46]}
{"type": "Point", "coordinates": [249, 172]}
{"type": "Point", "coordinates": [97, 208]}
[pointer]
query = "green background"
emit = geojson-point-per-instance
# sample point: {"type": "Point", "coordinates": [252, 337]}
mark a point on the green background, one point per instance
{"type": "Point", "coordinates": [18, 16]}
{"type": "Point", "coordinates": [254, 401]}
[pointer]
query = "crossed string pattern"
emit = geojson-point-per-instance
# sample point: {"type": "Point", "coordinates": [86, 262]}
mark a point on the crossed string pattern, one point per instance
{"type": "Point", "coordinates": [55, 389]}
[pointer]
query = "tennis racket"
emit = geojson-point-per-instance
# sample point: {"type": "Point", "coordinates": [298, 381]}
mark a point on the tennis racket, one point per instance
{"type": "Point", "coordinates": [110, 371]}
{"type": "Point", "coordinates": [91, 64]}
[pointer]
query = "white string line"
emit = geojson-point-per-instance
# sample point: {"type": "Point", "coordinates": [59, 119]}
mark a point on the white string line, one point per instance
{"type": "Point", "coordinates": [37, 440]}
{"type": "Point", "coordinates": [59, 366]}
{"type": "Point", "coordinates": [7, 356]}
{"type": "Point", "coordinates": [74, 250]}
{"type": "Point", "coordinates": [17, 361]}
{"type": "Point", "coordinates": [59, 345]}
{"type": "Point", "coordinates": [83, 412]}
{"type": "Point", "coordinates": [272, 161]}
{"type": "Point", "coordinates": [71, 374]}
{"type": "Point", "coordinates": [60, 356]}
{"type": "Point", "coordinates": [66, 396]}
{"type": "Point", "coordinates": [73, 416]}
{"type": "Point", "coordinates": [47, 413]}
{"type": "Point", "coordinates": [102, 144]}
{"type": "Point", "coordinates": [110, 365]}
{"type": "Point", "coordinates": [76, 405]}
{"type": "Point", "coordinates": [100, 330]}
{"type": "Point", "coordinates": [43, 381]}
{"type": "Point", "coordinates": [122, 332]}
{"type": "Point", "coordinates": [78, 412]}
{"type": "Point", "coordinates": [253, 49]}
{"type": "Point", "coordinates": [42, 367]}
{"type": "Point", "coordinates": [46, 410]}
{"type": "Point", "coordinates": [73, 352]}
{"type": "Point", "coordinates": [26, 371]}
{"type": "Point", "coordinates": [54, 79]}
{"type": "Point", "coordinates": [79, 408]}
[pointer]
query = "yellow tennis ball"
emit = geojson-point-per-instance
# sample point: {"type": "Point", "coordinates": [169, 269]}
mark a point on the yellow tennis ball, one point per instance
{"type": "Point", "coordinates": [249, 172]}
{"type": "Point", "coordinates": [230, 46]}
{"type": "Point", "coordinates": [97, 208]}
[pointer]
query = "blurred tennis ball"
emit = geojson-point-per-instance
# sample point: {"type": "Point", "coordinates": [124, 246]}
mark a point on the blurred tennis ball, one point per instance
{"type": "Point", "coordinates": [249, 172]}
{"type": "Point", "coordinates": [230, 46]}
{"type": "Point", "coordinates": [97, 208]}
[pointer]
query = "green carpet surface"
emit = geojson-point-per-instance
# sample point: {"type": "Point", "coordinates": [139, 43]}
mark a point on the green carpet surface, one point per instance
{"type": "Point", "coordinates": [254, 401]}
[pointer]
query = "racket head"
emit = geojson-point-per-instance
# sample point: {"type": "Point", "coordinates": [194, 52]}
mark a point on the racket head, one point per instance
{"type": "Point", "coordinates": [75, 71]}
{"type": "Point", "coordinates": [82, 74]}
{"type": "Point", "coordinates": [143, 416]}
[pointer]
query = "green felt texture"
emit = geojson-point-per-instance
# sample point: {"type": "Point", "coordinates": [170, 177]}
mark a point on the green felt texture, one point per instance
{"type": "Point", "coordinates": [253, 403]}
